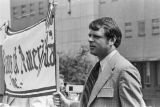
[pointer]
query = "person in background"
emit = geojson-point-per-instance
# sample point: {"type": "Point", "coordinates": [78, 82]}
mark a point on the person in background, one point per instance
{"type": "Point", "coordinates": [63, 86]}
{"type": "Point", "coordinates": [113, 81]}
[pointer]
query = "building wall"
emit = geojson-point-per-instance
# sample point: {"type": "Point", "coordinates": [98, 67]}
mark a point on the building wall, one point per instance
{"type": "Point", "coordinates": [23, 13]}
{"type": "Point", "coordinates": [72, 29]}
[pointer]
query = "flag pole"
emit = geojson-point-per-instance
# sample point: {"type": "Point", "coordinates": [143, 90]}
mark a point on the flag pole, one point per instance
{"type": "Point", "coordinates": [56, 55]}
{"type": "Point", "coordinates": [55, 41]}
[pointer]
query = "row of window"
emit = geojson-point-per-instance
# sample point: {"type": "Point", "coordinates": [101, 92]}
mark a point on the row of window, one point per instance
{"type": "Point", "coordinates": [24, 10]}
{"type": "Point", "coordinates": [155, 27]}
{"type": "Point", "coordinates": [104, 1]}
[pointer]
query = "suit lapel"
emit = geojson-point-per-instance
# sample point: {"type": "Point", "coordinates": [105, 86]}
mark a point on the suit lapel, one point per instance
{"type": "Point", "coordinates": [103, 78]}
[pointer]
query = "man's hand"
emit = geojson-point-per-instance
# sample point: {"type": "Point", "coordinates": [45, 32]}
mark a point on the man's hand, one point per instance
{"type": "Point", "coordinates": [60, 100]}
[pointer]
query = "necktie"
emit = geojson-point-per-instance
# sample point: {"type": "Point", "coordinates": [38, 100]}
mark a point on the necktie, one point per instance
{"type": "Point", "coordinates": [90, 84]}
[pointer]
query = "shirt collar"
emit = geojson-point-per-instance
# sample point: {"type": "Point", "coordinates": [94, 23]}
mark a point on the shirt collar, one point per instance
{"type": "Point", "coordinates": [106, 59]}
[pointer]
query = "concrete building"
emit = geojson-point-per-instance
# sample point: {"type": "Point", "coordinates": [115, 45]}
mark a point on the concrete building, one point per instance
{"type": "Point", "coordinates": [72, 19]}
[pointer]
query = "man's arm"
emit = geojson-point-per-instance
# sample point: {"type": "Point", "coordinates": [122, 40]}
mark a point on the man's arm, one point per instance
{"type": "Point", "coordinates": [130, 89]}
{"type": "Point", "coordinates": [59, 99]}
{"type": "Point", "coordinates": [74, 104]}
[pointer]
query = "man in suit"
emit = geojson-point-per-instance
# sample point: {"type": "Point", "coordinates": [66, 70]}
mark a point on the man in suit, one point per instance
{"type": "Point", "coordinates": [113, 81]}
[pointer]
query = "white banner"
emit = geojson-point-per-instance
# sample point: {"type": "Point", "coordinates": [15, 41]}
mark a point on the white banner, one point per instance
{"type": "Point", "coordinates": [29, 60]}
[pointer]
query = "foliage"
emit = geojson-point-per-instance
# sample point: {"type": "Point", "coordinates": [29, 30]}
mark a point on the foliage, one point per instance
{"type": "Point", "coordinates": [75, 68]}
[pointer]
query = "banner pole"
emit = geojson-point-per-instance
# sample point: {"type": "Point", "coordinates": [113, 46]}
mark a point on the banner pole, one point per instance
{"type": "Point", "coordinates": [56, 55]}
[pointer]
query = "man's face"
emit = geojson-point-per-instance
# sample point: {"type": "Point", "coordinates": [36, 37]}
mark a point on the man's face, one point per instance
{"type": "Point", "coordinates": [98, 43]}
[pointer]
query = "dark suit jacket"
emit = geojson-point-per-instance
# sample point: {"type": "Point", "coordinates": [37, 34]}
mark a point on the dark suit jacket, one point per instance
{"type": "Point", "coordinates": [118, 85]}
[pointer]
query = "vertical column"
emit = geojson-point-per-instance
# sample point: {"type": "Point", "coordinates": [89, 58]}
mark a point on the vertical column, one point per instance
{"type": "Point", "coordinates": [2, 84]}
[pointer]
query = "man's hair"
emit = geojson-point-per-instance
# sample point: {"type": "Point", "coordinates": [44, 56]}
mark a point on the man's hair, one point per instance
{"type": "Point", "coordinates": [110, 27]}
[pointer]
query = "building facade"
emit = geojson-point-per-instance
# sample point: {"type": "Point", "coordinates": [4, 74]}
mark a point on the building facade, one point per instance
{"type": "Point", "coordinates": [72, 19]}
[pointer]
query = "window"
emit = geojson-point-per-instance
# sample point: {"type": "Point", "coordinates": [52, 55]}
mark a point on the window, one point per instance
{"type": "Point", "coordinates": [41, 8]}
{"type": "Point", "coordinates": [155, 26]}
{"type": "Point", "coordinates": [157, 73]}
{"type": "Point", "coordinates": [141, 66]}
{"type": "Point", "coordinates": [147, 76]}
{"type": "Point", "coordinates": [141, 28]}
{"type": "Point", "coordinates": [102, 1]}
{"type": "Point", "coordinates": [128, 29]}
{"type": "Point", "coordinates": [15, 12]}
{"type": "Point", "coordinates": [150, 73]}
{"type": "Point", "coordinates": [114, 0]}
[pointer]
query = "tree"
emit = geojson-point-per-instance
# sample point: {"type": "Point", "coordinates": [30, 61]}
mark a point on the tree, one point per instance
{"type": "Point", "coordinates": [75, 68]}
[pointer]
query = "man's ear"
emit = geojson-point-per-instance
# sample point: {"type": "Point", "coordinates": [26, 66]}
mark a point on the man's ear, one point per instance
{"type": "Point", "coordinates": [112, 40]}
